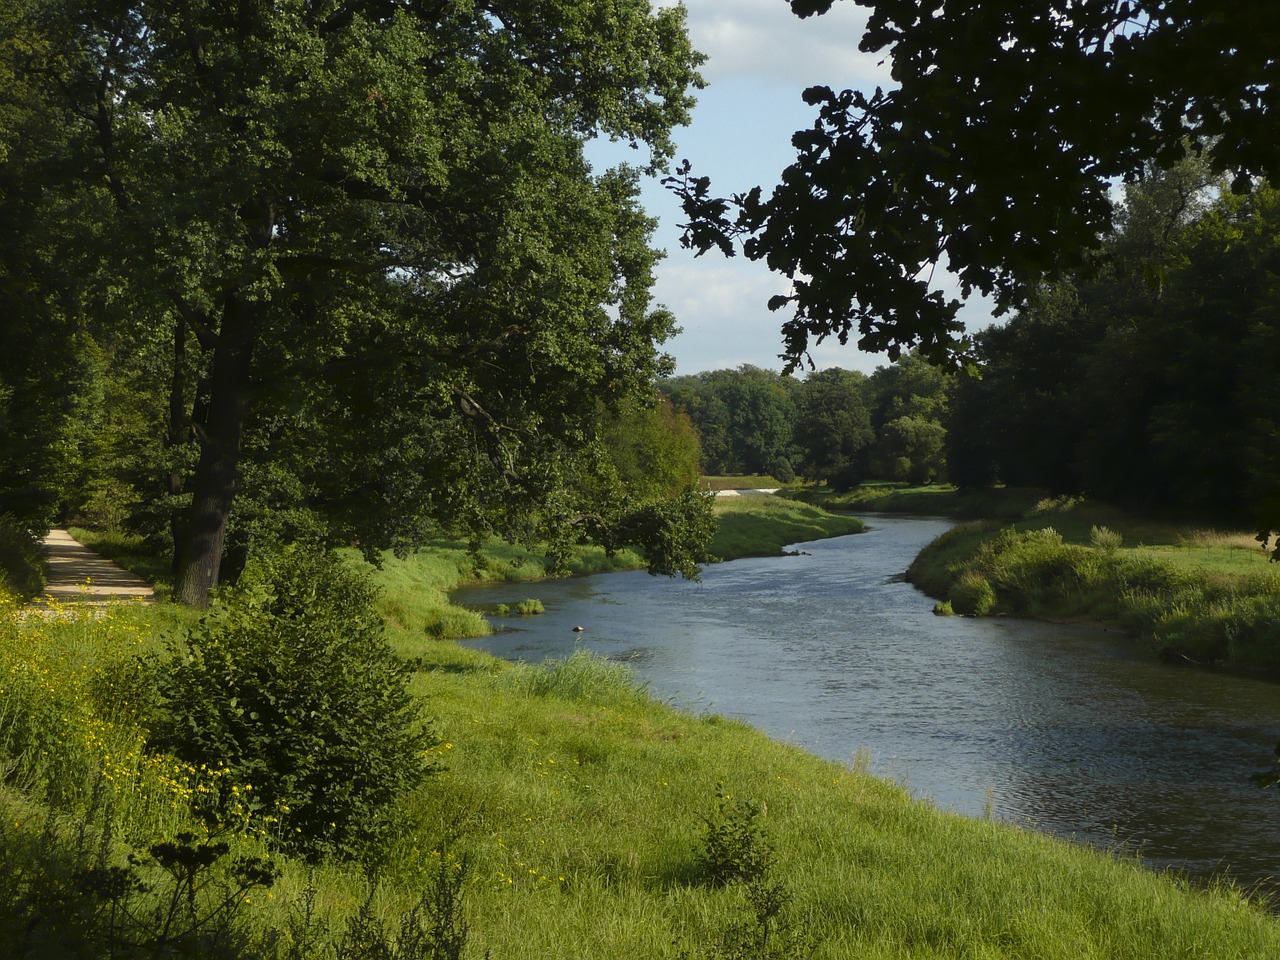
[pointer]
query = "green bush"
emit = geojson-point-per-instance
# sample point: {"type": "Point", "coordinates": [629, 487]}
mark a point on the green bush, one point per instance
{"type": "Point", "coordinates": [21, 561]}
{"type": "Point", "coordinates": [289, 684]}
{"type": "Point", "coordinates": [1105, 539]}
{"type": "Point", "coordinates": [735, 847]}
{"type": "Point", "coordinates": [529, 608]}
{"type": "Point", "coordinates": [972, 594]}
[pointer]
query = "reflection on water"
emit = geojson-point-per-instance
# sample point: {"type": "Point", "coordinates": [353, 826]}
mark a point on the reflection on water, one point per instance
{"type": "Point", "coordinates": [1069, 729]}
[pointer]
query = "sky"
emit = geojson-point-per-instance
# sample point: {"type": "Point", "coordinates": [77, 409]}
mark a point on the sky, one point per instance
{"type": "Point", "coordinates": [760, 57]}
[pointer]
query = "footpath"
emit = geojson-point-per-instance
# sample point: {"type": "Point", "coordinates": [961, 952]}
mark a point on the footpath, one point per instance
{"type": "Point", "coordinates": [78, 575]}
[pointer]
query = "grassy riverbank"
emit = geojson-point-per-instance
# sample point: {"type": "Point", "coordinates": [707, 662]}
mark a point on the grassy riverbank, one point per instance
{"type": "Point", "coordinates": [933, 500]}
{"type": "Point", "coordinates": [1193, 594]}
{"type": "Point", "coordinates": [580, 808]}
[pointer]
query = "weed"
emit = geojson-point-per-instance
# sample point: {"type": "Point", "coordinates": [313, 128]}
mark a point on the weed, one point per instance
{"type": "Point", "coordinates": [1105, 539]}
{"type": "Point", "coordinates": [972, 594]}
{"type": "Point", "coordinates": [735, 846]}
{"type": "Point", "coordinates": [737, 850]}
{"type": "Point", "coordinates": [530, 608]}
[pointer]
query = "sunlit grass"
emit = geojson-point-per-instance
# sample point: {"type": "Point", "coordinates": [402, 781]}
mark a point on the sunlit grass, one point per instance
{"type": "Point", "coordinates": [1207, 596]}
{"type": "Point", "coordinates": [746, 481]}
{"type": "Point", "coordinates": [761, 526]}
{"type": "Point", "coordinates": [581, 802]}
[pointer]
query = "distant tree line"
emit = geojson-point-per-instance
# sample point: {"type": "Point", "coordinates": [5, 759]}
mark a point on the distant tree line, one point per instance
{"type": "Point", "coordinates": [837, 426]}
{"type": "Point", "coordinates": [1146, 378]}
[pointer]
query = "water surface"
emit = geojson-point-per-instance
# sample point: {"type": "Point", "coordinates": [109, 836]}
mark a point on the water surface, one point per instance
{"type": "Point", "coordinates": [1068, 729]}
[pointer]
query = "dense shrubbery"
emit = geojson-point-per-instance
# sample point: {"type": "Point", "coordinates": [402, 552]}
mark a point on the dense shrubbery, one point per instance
{"type": "Point", "coordinates": [1198, 615]}
{"type": "Point", "coordinates": [289, 684]}
{"type": "Point", "coordinates": [21, 563]}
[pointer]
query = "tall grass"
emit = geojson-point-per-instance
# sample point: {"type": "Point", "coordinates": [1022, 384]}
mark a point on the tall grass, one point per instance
{"type": "Point", "coordinates": [580, 807]}
{"type": "Point", "coordinates": [1202, 596]}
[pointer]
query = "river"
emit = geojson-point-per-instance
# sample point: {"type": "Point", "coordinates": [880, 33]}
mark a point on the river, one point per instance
{"type": "Point", "coordinates": [1071, 730]}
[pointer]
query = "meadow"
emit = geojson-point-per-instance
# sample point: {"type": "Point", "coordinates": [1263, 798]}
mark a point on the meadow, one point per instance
{"type": "Point", "coordinates": [566, 813]}
{"type": "Point", "coordinates": [569, 815]}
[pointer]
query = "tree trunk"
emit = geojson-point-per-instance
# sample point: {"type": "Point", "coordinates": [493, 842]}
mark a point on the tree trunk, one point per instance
{"type": "Point", "coordinates": [213, 485]}
{"type": "Point", "coordinates": [177, 432]}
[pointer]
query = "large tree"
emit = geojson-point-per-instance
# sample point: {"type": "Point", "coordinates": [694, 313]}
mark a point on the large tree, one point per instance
{"type": "Point", "coordinates": [993, 153]}
{"type": "Point", "coordinates": [373, 223]}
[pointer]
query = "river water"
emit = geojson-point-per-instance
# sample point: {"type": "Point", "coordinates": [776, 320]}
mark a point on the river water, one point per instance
{"type": "Point", "coordinates": [1071, 730]}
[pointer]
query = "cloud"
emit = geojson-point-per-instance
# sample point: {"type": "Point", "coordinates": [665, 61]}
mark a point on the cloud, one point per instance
{"type": "Point", "coordinates": [764, 40]}
{"type": "Point", "coordinates": [722, 307]}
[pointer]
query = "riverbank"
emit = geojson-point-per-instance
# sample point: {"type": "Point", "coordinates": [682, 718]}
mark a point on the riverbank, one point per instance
{"type": "Point", "coordinates": [1194, 595]}
{"type": "Point", "coordinates": [932, 500]}
{"type": "Point", "coordinates": [574, 811]}
{"type": "Point", "coordinates": [416, 588]}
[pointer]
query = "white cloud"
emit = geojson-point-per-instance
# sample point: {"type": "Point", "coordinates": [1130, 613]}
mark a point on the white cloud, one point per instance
{"type": "Point", "coordinates": [763, 39]}
{"type": "Point", "coordinates": [722, 306]}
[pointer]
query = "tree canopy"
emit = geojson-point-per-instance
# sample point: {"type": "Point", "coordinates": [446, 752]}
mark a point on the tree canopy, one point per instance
{"type": "Point", "coordinates": [993, 154]}
{"type": "Point", "coordinates": [1152, 393]}
{"type": "Point", "coordinates": [352, 249]}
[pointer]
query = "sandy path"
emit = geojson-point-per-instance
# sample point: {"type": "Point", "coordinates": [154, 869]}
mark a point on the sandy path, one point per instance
{"type": "Point", "coordinates": [78, 575]}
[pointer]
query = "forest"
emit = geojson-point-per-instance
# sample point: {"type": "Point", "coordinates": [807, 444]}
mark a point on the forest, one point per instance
{"type": "Point", "coordinates": [1139, 379]}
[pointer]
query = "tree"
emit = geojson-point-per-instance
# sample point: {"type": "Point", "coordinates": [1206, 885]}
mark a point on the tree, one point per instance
{"type": "Point", "coordinates": [745, 419]}
{"type": "Point", "coordinates": [993, 154]}
{"type": "Point", "coordinates": [654, 449]}
{"type": "Point", "coordinates": [833, 426]}
{"type": "Point", "coordinates": [908, 403]}
{"type": "Point", "coordinates": [374, 223]}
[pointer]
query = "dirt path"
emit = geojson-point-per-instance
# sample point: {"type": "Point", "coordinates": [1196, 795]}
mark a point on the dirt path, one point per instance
{"type": "Point", "coordinates": [78, 575]}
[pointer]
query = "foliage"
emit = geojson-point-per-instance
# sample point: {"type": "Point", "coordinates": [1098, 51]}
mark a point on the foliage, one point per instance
{"type": "Point", "coordinates": [1105, 539]}
{"type": "Point", "coordinates": [578, 818]}
{"type": "Point", "coordinates": [1140, 382]}
{"type": "Point", "coordinates": [833, 425]}
{"type": "Point", "coordinates": [745, 418]}
{"type": "Point", "coordinates": [21, 560]}
{"type": "Point", "coordinates": [528, 608]}
{"type": "Point", "coordinates": [434, 928]}
{"type": "Point", "coordinates": [972, 594]}
{"type": "Point", "coordinates": [654, 449]}
{"type": "Point", "coordinates": [348, 263]}
{"type": "Point", "coordinates": [582, 677]}
{"type": "Point", "coordinates": [184, 897]}
{"type": "Point", "coordinates": [1182, 597]}
{"type": "Point", "coordinates": [735, 847]}
{"type": "Point", "coordinates": [762, 526]}
{"type": "Point", "coordinates": [289, 684]}
{"type": "Point", "coordinates": [987, 154]}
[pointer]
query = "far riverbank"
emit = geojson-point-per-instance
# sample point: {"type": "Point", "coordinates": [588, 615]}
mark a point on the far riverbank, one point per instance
{"type": "Point", "coordinates": [1189, 592]}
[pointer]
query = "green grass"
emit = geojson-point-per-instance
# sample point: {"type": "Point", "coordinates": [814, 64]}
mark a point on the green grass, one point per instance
{"type": "Point", "coordinates": [936, 500]}
{"type": "Point", "coordinates": [761, 526]}
{"type": "Point", "coordinates": [580, 803]}
{"type": "Point", "coordinates": [746, 481]}
{"type": "Point", "coordinates": [1193, 594]}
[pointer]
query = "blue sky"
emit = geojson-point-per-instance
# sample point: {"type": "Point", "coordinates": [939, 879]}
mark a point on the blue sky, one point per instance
{"type": "Point", "coordinates": [760, 58]}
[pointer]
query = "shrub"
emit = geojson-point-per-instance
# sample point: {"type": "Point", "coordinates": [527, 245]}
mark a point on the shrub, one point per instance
{"type": "Point", "coordinates": [735, 847]}
{"type": "Point", "coordinates": [502, 610]}
{"type": "Point", "coordinates": [21, 561]}
{"type": "Point", "coordinates": [972, 594]}
{"type": "Point", "coordinates": [529, 608]}
{"type": "Point", "coordinates": [1105, 539]}
{"type": "Point", "coordinates": [290, 685]}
